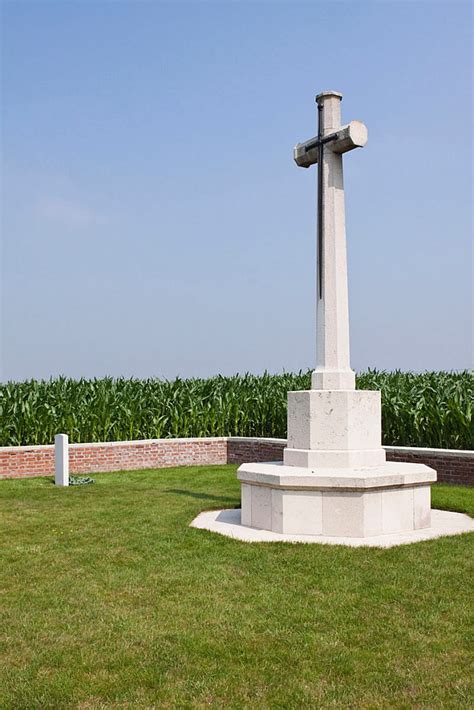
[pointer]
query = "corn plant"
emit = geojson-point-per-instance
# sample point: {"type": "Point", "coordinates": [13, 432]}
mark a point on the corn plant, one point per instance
{"type": "Point", "coordinates": [432, 409]}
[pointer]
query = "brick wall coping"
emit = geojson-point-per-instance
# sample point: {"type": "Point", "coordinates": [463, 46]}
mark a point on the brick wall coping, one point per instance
{"type": "Point", "coordinates": [31, 447]}
{"type": "Point", "coordinates": [457, 453]}
{"type": "Point", "coordinates": [256, 439]}
{"type": "Point", "coordinates": [125, 442]}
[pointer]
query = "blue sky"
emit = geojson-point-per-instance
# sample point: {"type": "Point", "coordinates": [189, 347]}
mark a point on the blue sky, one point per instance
{"type": "Point", "coordinates": [154, 223]}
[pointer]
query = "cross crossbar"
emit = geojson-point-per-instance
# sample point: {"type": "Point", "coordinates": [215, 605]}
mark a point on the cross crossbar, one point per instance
{"type": "Point", "coordinates": [353, 135]}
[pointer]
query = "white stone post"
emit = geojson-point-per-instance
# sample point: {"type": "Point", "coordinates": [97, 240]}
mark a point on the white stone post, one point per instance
{"type": "Point", "coordinates": [333, 370]}
{"type": "Point", "coordinates": [61, 456]}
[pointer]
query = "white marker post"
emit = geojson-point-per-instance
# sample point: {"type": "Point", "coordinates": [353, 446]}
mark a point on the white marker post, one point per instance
{"type": "Point", "coordinates": [61, 457]}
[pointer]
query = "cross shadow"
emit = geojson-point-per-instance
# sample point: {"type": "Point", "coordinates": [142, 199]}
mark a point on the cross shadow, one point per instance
{"type": "Point", "coordinates": [200, 496]}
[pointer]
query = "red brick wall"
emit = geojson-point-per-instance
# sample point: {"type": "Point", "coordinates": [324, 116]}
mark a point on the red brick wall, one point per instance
{"type": "Point", "coordinates": [452, 467]}
{"type": "Point", "coordinates": [241, 450]}
{"type": "Point", "coordinates": [160, 453]}
{"type": "Point", "coordinates": [23, 461]}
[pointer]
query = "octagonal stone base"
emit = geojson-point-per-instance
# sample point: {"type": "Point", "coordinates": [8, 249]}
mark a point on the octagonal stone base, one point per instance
{"type": "Point", "coordinates": [360, 503]}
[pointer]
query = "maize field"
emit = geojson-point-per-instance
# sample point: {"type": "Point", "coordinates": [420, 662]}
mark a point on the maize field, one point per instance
{"type": "Point", "coordinates": [433, 409]}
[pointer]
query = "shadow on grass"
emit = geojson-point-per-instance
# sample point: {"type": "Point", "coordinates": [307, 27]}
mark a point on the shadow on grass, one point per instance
{"type": "Point", "coordinates": [200, 496]}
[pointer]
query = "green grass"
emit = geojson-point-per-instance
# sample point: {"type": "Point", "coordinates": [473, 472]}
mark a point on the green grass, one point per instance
{"type": "Point", "coordinates": [432, 409]}
{"type": "Point", "coordinates": [110, 600]}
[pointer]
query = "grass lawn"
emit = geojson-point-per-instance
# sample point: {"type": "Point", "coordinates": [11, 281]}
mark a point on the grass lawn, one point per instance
{"type": "Point", "coordinates": [110, 600]}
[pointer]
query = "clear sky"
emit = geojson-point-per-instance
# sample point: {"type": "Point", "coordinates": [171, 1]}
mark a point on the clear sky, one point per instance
{"type": "Point", "coordinates": [154, 223]}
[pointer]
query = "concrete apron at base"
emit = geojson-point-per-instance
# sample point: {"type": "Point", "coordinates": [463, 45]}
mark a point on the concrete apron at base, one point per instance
{"type": "Point", "coordinates": [227, 522]}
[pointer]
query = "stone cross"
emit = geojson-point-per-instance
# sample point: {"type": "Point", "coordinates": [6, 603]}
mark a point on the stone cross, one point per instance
{"type": "Point", "coordinates": [335, 483]}
{"type": "Point", "coordinates": [333, 370]}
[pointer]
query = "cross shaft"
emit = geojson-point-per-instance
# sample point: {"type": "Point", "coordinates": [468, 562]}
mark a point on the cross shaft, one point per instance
{"type": "Point", "coordinates": [333, 369]}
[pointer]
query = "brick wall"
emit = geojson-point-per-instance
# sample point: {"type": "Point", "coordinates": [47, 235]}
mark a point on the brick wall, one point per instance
{"type": "Point", "coordinates": [246, 449]}
{"type": "Point", "coordinates": [455, 467]}
{"type": "Point", "coordinates": [154, 453]}
{"type": "Point", "coordinates": [22, 461]}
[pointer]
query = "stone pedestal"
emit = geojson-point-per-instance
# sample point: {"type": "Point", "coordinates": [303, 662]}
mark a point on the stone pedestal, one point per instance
{"type": "Point", "coordinates": [334, 480]}
{"type": "Point", "coordinates": [334, 428]}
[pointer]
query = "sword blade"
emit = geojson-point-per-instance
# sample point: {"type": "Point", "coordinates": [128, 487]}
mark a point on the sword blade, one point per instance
{"type": "Point", "coordinates": [320, 201]}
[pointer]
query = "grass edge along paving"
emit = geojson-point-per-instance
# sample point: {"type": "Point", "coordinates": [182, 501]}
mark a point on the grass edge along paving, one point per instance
{"type": "Point", "coordinates": [433, 409]}
{"type": "Point", "coordinates": [111, 601]}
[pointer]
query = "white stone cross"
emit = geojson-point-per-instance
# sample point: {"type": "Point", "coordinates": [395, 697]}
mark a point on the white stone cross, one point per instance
{"type": "Point", "coordinates": [333, 370]}
{"type": "Point", "coordinates": [334, 483]}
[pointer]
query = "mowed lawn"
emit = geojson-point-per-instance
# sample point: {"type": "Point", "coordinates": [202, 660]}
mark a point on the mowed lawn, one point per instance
{"type": "Point", "coordinates": [110, 600]}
